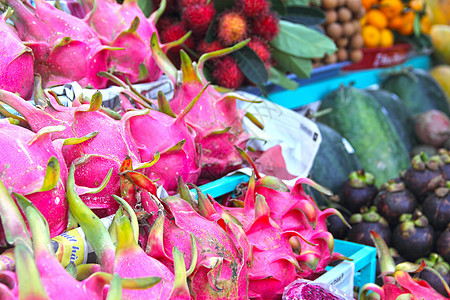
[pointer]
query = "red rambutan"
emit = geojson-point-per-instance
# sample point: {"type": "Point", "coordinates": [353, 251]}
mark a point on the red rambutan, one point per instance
{"type": "Point", "coordinates": [253, 8]}
{"type": "Point", "coordinates": [260, 47]}
{"type": "Point", "coordinates": [232, 28]}
{"type": "Point", "coordinates": [198, 17]}
{"type": "Point", "coordinates": [227, 73]}
{"type": "Point", "coordinates": [266, 26]}
{"type": "Point", "coordinates": [184, 3]}
{"type": "Point", "coordinates": [165, 21]}
{"type": "Point", "coordinates": [174, 32]}
{"type": "Point", "coordinates": [204, 47]}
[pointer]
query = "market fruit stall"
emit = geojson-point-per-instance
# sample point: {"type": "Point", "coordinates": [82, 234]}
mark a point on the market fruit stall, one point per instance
{"type": "Point", "coordinates": [246, 149]}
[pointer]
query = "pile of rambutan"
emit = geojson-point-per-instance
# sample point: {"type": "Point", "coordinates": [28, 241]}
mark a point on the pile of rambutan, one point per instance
{"type": "Point", "coordinates": [213, 30]}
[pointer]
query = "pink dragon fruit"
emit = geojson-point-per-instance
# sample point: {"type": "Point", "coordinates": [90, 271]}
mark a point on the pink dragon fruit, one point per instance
{"type": "Point", "coordinates": [295, 210]}
{"type": "Point", "coordinates": [128, 259]}
{"type": "Point", "coordinates": [273, 264]}
{"type": "Point", "coordinates": [34, 166]}
{"type": "Point", "coordinates": [8, 285]}
{"type": "Point", "coordinates": [65, 48]}
{"type": "Point", "coordinates": [396, 279]}
{"type": "Point", "coordinates": [125, 26]}
{"type": "Point", "coordinates": [93, 141]}
{"type": "Point", "coordinates": [215, 118]}
{"type": "Point", "coordinates": [16, 63]}
{"type": "Point", "coordinates": [44, 276]}
{"type": "Point", "coordinates": [220, 268]}
{"type": "Point", "coordinates": [163, 132]}
{"type": "Point", "coordinates": [292, 209]}
{"type": "Point", "coordinates": [216, 258]}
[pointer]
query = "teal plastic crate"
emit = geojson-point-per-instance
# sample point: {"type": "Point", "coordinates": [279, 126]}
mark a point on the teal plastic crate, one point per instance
{"type": "Point", "coordinates": [363, 257]}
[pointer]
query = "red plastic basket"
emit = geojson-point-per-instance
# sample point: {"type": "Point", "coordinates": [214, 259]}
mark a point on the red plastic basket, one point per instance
{"type": "Point", "coordinates": [381, 57]}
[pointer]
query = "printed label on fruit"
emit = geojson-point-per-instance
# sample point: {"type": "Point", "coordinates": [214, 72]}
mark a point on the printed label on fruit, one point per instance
{"type": "Point", "coordinates": [72, 246]}
{"type": "Point", "coordinates": [69, 248]}
{"type": "Point", "coordinates": [7, 261]}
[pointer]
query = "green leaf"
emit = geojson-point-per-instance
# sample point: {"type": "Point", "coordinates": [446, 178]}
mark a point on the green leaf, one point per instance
{"type": "Point", "coordinates": [301, 41]}
{"type": "Point", "coordinates": [221, 5]}
{"type": "Point", "coordinates": [279, 77]}
{"type": "Point", "coordinates": [146, 7]}
{"type": "Point", "coordinates": [296, 2]}
{"type": "Point", "coordinates": [278, 6]}
{"type": "Point", "coordinates": [306, 15]}
{"type": "Point", "coordinates": [302, 67]}
{"type": "Point", "coordinates": [251, 65]}
{"type": "Point", "coordinates": [416, 25]}
{"type": "Point", "coordinates": [209, 36]}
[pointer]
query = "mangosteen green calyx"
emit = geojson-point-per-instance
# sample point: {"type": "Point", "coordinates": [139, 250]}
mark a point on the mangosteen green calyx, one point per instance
{"type": "Point", "coordinates": [442, 244]}
{"type": "Point", "coordinates": [438, 264]}
{"type": "Point", "coordinates": [364, 222]}
{"type": "Point", "coordinates": [413, 237]}
{"type": "Point", "coordinates": [428, 149]}
{"type": "Point", "coordinates": [393, 200]}
{"type": "Point", "coordinates": [444, 154]}
{"type": "Point", "coordinates": [359, 190]}
{"type": "Point", "coordinates": [424, 175]}
{"type": "Point", "coordinates": [437, 207]}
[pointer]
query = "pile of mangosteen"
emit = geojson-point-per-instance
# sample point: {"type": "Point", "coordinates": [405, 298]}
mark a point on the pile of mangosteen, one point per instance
{"type": "Point", "coordinates": [411, 213]}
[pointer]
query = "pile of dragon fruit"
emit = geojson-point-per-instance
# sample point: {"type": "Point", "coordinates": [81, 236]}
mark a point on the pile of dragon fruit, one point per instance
{"type": "Point", "coordinates": [65, 166]}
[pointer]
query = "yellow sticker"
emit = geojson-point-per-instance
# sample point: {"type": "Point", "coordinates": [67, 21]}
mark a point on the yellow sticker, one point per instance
{"type": "Point", "coordinates": [70, 247]}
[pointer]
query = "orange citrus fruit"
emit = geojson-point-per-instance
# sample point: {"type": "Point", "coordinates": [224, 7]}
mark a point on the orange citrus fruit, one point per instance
{"type": "Point", "coordinates": [425, 24]}
{"type": "Point", "coordinates": [416, 5]}
{"type": "Point", "coordinates": [395, 22]}
{"type": "Point", "coordinates": [386, 38]}
{"type": "Point", "coordinates": [367, 4]}
{"type": "Point", "coordinates": [376, 18]}
{"type": "Point", "coordinates": [371, 36]}
{"type": "Point", "coordinates": [363, 21]}
{"type": "Point", "coordinates": [391, 8]}
{"type": "Point", "coordinates": [407, 25]}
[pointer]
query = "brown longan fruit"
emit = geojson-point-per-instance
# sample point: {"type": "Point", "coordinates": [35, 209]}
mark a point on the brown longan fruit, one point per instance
{"type": "Point", "coordinates": [354, 5]}
{"type": "Point", "coordinates": [356, 55]}
{"type": "Point", "coordinates": [329, 4]}
{"type": "Point", "coordinates": [348, 29]}
{"type": "Point", "coordinates": [330, 16]}
{"type": "Point", "coordinates": [342, 54]}
{"type": "Point", "coordinates": [344, 14]}
{"type": "Point", "coordinates": [357, 26]}
{"type": "Point", "coordinates": [361, 13]}
{"type": "Point", "coordinates": [334, 31]}
{"type": "Point", "coordinates": [342, 42]}
{"type": "Point", "coordinates": [356, 41]}
{"type": "Point", "coordinates": [330, 59]}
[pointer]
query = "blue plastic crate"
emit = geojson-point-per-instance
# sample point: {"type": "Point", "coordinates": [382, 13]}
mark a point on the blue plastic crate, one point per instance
{"type": "Point", "coordinates": [363, 257]}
